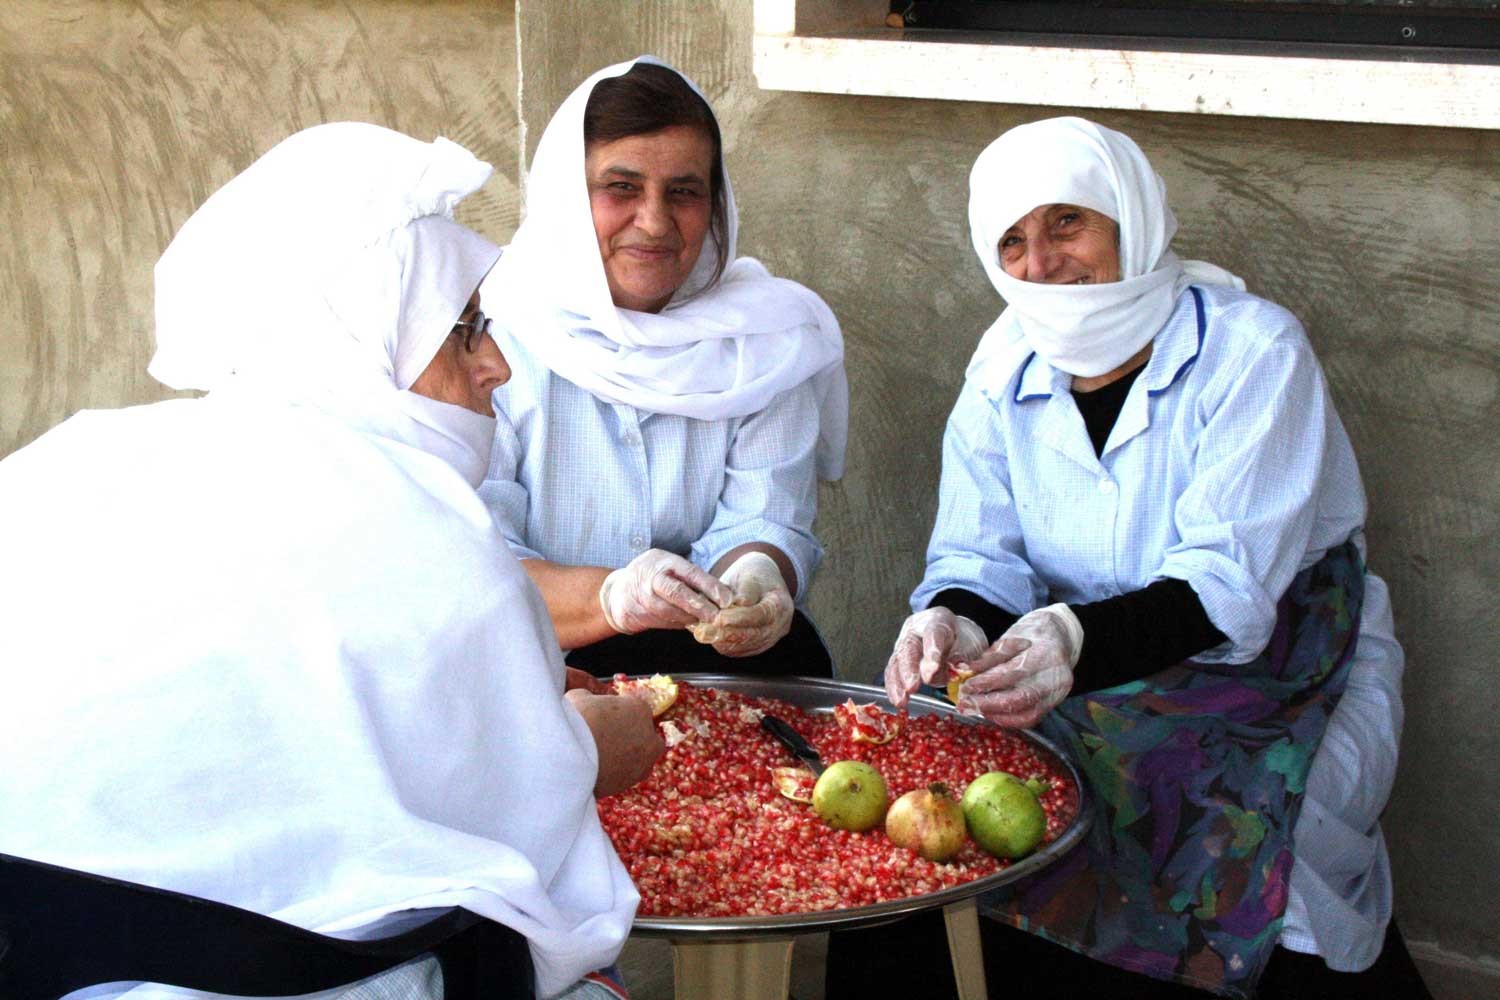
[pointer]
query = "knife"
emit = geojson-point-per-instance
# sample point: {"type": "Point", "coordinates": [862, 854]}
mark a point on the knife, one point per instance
{"type": "Point", "coordinates": [793, 741]}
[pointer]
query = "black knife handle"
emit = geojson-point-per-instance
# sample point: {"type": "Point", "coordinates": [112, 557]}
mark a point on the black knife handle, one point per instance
{"type": "Point", "coordinates": [793, 741]}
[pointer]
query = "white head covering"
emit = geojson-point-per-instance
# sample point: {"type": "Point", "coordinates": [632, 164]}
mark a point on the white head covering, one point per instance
{"type": "Point", "coordinates": [314, 682]}
{"type": "Point", "coordinates": [328, 274]}
{"type": "Point", "coordinates": [715, 351]}
{"type": "Point", "coordinates": [1080, 329]}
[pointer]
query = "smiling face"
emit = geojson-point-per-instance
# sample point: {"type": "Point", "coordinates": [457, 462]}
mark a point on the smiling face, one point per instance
{"type": "Point", "coordinates": [651, 200]}
{"type": "Point", "coordinates": [464, 377]}
{"type": "Point", "coordinates": [1062, 245]}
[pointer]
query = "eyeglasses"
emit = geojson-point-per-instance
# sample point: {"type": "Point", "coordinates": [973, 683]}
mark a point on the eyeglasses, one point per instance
{"type": "Point", "coordinates": [472, 328]}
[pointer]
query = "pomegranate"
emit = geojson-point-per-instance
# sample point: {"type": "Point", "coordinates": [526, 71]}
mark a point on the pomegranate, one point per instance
{"type": "Point", "coordinates": [929, 821]}
{"type": "Point", "coordinates": [850, 795]}
{"type": "Point", "coordinates": [867, 723]}
{"type": "Point", "coordinates": [1005, 814]}
{"type": "Point", "coordinates": [659, 691]}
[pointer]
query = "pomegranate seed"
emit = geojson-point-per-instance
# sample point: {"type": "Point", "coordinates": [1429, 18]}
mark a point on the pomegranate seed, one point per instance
{"type": "Point", "coordinates": [708, 834]}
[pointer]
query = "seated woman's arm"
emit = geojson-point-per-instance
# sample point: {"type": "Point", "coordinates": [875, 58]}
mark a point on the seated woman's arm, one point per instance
{"type": "Point", "coordinates": [769, 495]}
{"type": "Point", "coordinates": [760, 541]}
{"type": "Point", "coordinates": [572, 597]}
{"type": "Point", "coordinates": [588, 603]}
{"type": "Point", "coordinates": [1128, 637]}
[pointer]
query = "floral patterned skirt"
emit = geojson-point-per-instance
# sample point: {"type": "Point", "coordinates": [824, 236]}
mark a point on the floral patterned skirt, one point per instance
{"type": "Point", "coordinates": [1197, 776]}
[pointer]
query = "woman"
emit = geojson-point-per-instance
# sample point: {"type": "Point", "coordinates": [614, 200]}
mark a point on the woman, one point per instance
{"type": "Point", "coordinates": [1149, 504]}
{"type": "Point", "coordinates": [703, 396]}
{"type": "Point", "coordinates": [287, 663]}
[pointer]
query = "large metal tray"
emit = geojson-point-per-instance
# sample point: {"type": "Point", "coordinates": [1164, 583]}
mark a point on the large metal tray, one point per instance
{"type": "Point", "coordinates": [815, 695]}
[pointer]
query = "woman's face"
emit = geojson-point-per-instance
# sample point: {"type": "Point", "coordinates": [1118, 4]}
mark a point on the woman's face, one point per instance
{"type": "Point", "coordinates": [651, 203]}
{"type": "Point", "coordinates": [1062, 245]}
{"type": "Point", "coordinates": [463, 377]}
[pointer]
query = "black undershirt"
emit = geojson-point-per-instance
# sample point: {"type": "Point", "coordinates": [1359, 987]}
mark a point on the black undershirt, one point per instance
{"type": "Point", "coordinates": [1126, 637]}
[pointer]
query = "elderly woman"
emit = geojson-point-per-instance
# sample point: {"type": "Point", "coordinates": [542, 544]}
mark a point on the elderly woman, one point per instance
{"type": "Point", "coordinates": [283, 660]}
{"type": "Point", "coordinates": [701, 397]}
{"type": "Point", "coordinates": [1149, 539]}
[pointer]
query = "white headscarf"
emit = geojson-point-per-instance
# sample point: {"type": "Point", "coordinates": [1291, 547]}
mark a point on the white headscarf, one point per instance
{"type": "Point", "coordinates": [714, 352]}
{"type": "Point", "coordinates": [1080, 329]}
{"type": "Point", "coordinates": [328, 274]}
{"type": "Point", "coordinates": [289, 664]}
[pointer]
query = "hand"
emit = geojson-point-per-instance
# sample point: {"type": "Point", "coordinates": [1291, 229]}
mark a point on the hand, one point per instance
{"type": "Point", "coordinates": [626, 737]}
{"type": "Point", "coordinates": [1028, 672]}
{"type": "Point", "coordinates": [759, 614]}
{"type": "Point", "coordinates": [576, 679]}
{"type": "Point", "coordinates": [660, 590]}
{"type": "Point", "coordinates": [929, 642]}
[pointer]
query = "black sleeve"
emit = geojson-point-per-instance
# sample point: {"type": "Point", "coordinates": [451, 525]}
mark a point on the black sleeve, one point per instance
{"type": "Point", "coordinates": [990, 617]}
{"type": "Point", "coordinates": [1134, 635]}
{"type": "Point", "coordinates": [1125, 638]}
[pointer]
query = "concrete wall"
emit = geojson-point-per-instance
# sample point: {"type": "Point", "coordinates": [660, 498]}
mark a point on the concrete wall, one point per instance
{"type": "Point", "coordinates": [118, 119]}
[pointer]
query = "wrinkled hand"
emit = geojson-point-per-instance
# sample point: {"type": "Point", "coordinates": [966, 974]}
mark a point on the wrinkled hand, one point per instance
{"type": "Point", "coordinates": [660, 590]}
{"type": "Point", "coordinates": [626, 737]}
{"type": "Point", "coordinates": [758, 616]}
{"type": "Point", "coordinates": [575, 679]}
{"type": "Point", "coordinates": [1027, 672]}
{"type": "Point", "coordinates": [929, 642]}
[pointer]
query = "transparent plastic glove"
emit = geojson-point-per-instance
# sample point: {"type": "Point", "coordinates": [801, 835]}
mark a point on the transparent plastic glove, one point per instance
{"type": "Point", "coordinates": [929, 642]}
{"type": "Point", "coordinates": [759, 614]}
{"type": "Point", "coordinates": [660, 590]}
{"type": "Point", "coordinates": [1027, 672]}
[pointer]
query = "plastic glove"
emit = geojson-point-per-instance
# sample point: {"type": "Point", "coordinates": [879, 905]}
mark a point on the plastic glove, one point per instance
{"type": "Point", "coordinates": [1027, 672]}
{"type": "Point", "coordinates": [929, 642]}
{"type": "Point", "coordinates": [624, 734]}
{"type": "Point", "coordinates": [759, 614]}
{"type": "Point", "coordinates": [660, 590]}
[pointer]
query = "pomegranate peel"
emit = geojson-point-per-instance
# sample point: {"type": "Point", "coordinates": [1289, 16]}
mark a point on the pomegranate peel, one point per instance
{"type": "Point", "coordinates": [659, 691]}
{"type": "Point", "coordinates": [795, 783]}
{"type": "Point", "coordinates": [867, 723]}
{"type": "Point", "coordinates": [956, 677]}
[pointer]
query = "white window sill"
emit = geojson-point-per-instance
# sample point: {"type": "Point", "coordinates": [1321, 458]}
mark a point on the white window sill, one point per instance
{"type": "Point", "coordinates": [839, 47]}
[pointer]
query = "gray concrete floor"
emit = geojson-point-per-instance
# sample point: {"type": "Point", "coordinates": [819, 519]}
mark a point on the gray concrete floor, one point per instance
{"type": "Point", "coordinates": [647, 966]}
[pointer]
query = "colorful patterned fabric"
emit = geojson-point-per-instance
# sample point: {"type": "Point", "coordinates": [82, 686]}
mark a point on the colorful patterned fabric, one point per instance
{"type": "Point", "coordinates": [1197, 775]}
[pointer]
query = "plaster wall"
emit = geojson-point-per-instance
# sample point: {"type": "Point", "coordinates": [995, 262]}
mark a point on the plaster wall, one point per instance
{"type": "Point", "coordinates": [117, 120]}
{"type": "Point", "coordinates": [1380, 238]}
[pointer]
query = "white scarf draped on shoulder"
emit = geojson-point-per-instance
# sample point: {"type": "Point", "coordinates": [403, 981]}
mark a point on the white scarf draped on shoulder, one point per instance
{"type": "Point", "coordinates": [716, 351]}
{"type": "Point", "coordinates": [1083, 330]}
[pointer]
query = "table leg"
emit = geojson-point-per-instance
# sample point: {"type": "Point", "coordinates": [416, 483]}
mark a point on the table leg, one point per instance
{"type": "Point", "coordinates": [733, 970]}
{"type": "Point", "coordinates": [964, 946]}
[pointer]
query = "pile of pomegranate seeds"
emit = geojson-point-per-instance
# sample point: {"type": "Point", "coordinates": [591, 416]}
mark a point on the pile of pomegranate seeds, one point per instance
{"type": "Point", "coordinates": [708, 835]}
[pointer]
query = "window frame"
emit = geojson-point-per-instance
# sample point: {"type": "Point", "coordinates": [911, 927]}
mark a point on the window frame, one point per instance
{"type": "Point", "coordinates": [846, 47]}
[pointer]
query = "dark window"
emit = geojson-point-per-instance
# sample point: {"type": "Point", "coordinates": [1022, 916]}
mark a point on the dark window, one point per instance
{"type": "Point", "coordinates": [1400, 26]}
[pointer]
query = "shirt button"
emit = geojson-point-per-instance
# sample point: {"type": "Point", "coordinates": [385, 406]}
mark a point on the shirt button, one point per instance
{"type": "Point", "coordinates": [631, 438]}
{"type": "Point", "coordinates": [1106, 486]}
{"type": "Point", "coordinates": [637, 542]}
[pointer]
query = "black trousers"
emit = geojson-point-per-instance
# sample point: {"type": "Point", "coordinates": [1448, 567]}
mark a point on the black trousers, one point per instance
{"type": "Point", "coordinates": [800, 653]}
{"type": "Point", "coordinates": [909, 959]}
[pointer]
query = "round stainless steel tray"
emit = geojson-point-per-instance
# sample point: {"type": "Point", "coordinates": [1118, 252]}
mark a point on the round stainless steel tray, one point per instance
{"type": "Point", "coordinates": [819, 695]}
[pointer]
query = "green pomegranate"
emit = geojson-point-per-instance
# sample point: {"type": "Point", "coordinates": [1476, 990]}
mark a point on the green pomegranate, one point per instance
{"type": "Point", "coordinates": [1003, 815]}
{"type": "Point", "coordinates": [850, 795]}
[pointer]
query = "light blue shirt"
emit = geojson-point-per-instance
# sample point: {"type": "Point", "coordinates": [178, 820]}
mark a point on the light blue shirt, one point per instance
{"type": "Point", "coordinates": [1227, 468]}
{"type": "Point", "coordinates": [582, 482]}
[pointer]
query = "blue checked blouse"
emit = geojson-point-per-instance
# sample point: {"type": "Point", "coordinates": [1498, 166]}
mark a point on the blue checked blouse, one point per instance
{"type": "Point", "coordinates": [582, 482]}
